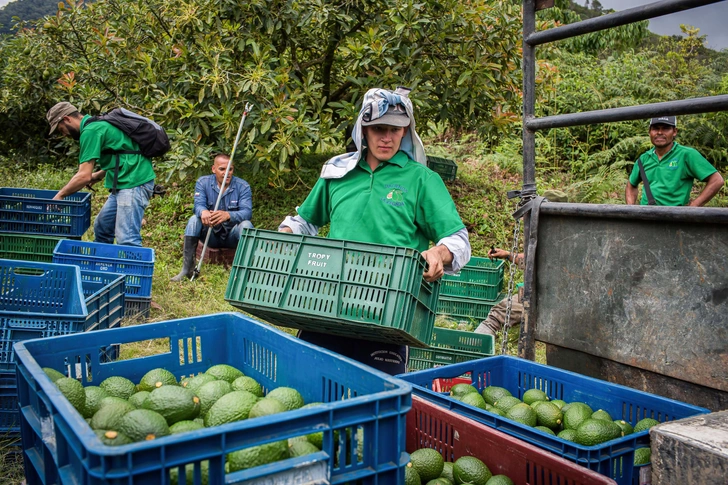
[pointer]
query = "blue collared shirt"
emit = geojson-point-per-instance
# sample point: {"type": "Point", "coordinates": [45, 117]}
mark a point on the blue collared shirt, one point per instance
{"type": "Point", "coordinates": [237, 199]}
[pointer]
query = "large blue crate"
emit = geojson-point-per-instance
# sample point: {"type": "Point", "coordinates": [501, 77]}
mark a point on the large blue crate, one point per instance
{"type": "Point", "coordinates": [136, 263]}
{"type": "Point", "coordinates": [38, 300]}
{"type": "Point", "coordinates": [9, 423]}
{"type": "Point", "coordinates": [614, 458]}
{"type": "Point", "coordinates": [33, 211]}
{"type": "Point", "coordinates": [59, 447]}
{"type": "Point", "coordinates": [103, 294]}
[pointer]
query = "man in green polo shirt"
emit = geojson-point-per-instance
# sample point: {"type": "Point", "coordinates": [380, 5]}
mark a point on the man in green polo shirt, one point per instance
{"type": "Point", "coordinates": [670, 169]}
{"type": "Point", "coordinates": [121, 216]}
{"type": "Point", "coordinates": [384, 193]}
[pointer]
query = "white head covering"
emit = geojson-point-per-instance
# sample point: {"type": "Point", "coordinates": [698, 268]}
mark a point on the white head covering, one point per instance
{"type": "Point", "coordinates": [376, 103]}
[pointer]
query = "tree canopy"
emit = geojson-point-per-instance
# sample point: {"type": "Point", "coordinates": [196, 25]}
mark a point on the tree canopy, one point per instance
{"type": "Point", "coordinates": [192, 65]}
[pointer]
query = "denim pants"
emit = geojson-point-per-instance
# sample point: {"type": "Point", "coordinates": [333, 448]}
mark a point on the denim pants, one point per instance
{"type": "Point", "coordinates": [196, 228]}
{"type": "Point", "coordinates": [121, 216]}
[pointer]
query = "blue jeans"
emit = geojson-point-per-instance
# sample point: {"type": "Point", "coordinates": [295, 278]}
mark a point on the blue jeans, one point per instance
{"type": "Point", "coordinates": [121, 216]}
{"type": "Point", "coordinates": [196, 228]}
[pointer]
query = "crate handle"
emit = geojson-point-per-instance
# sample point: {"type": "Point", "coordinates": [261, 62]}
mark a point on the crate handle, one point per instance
{"type": "Point", "coordinates": [25, 271]}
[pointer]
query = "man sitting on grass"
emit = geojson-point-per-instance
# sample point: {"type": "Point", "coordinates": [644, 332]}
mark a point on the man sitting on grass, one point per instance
{"type": "Point", "coordinates": [231, 217]}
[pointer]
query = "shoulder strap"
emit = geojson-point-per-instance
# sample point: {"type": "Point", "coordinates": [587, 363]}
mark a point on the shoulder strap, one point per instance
{"type": "Point", "coordinates": [645, 183]}
{"type": "Point", "coordinates": [116, 153]}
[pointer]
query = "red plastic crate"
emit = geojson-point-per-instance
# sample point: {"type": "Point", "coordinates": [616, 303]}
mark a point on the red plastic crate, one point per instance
{"type": "Point", "coordinates": [453, 435]}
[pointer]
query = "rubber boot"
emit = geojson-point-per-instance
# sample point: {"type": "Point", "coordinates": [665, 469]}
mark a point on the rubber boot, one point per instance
{"type": "Point", "coordinates": [188, 264]}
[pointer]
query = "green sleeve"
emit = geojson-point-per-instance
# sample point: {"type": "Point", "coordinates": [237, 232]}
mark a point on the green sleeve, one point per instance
{"type": "Point", "coordinates": [90, 142]}
{"type": "Point", "coordinates": [698, 166]}
{"type": "Point", "coordinates": [634, 177]}
{"type": "Point", "coordinates": [316, 209]}
{"type": "Point", "coordinates": [437, 215]}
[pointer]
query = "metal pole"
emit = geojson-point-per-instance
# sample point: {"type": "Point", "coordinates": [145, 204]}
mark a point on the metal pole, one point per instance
{"type": "Point", "coordinates": [691, 215]}
{"type": "Point", "coordinates": [526, 344]}
{"type": "Point", "coordinates": [248, 107]}
{"type": "Point", "coordinates": [707, 104]}
{"type": "Point", "coordinates": [616, 19]}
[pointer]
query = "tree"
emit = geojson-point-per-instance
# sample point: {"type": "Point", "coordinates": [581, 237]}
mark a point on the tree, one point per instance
{"type": "Point", "coordinates": [191, 66]}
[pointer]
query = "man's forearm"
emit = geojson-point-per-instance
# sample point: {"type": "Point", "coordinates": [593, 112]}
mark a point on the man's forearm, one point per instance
{"type": "Point", "coordinates": [712, 187]}
{"type": "Point", "coordinates": [77, 182]}
{"type": "Point", "coordinates": [630, 194]}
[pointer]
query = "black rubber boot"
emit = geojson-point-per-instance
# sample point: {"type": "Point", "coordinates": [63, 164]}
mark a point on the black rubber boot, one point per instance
{"type": "Point", "coordinates": [188, 264]}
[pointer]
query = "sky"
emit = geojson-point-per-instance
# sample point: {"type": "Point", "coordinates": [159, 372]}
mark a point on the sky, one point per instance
{"type": "Point", "coordinates": [711, 20]}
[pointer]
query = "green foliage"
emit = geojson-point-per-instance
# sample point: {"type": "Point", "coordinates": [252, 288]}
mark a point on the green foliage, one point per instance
{"type": "Point", "coordinates": [610, 41]}
{"type": "Point", "coordinates": [191, 66]}
{"type": "Point", "coordinates": [679, 68]}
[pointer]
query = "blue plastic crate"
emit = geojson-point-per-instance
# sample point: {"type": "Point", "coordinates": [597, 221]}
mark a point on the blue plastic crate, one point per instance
{"type": "Point", "coordinates": [136, 263]}
{"type": "Point", "coordinates": [60, 447]}
{"type": "Point", "coordinates": [105, 302]}
{"type": "Point", "coordinates": [38, 300]}
{"type": "Point", "coordinates": [33, 211]}
{"type": "Point", "coordinates": [137, 308]}
{"type": "Point", "coordinates": [614, 458]}
{"type": "Point", "coordinates": [104, 294]}
{"type": "Point", "coordinates": [9, 419]}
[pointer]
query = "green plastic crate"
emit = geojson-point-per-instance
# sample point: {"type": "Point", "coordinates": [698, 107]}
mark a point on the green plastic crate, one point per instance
{"type": "Point", "coordinates": [464, 289]}
{"type": "Point", "coordinates": [484, 271]}
{"type": "Point", "coordinates": [466, 307]}
{"type": "Point", "coordinates": [451, 347]}
{"type": "Point", "coordinates": [352, 289]}
{"type": "Point", "coordinates": [447, 169]}
{"type": "Point", "coordinates": [27, 248]}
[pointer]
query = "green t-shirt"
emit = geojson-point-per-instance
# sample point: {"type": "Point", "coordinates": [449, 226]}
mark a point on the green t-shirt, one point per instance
{"type": "Point", "coordinates": [671, 178]}
{"type": "Point", "coordinates": [402, 203]}
{"type": "Point", "coordinates": [134, 170]}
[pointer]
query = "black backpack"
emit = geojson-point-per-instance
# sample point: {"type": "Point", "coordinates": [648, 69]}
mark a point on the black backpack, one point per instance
{"type": "Point", "coordinates": [151, 138]}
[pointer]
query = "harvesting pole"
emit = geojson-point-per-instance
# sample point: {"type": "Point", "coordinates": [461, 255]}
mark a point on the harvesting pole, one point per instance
{"type": "Point", "coordinates": [248, 107]}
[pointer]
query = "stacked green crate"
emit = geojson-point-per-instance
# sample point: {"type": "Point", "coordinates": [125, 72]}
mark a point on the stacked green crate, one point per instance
{"type": "Point", "coordinates": [27, 248]}
{"type": "Point", "coordinates": [451, 347]}
{"type": "Point", "coordinates": [447, 169]}
{"type": "Point", "coordinates": [473, 291]}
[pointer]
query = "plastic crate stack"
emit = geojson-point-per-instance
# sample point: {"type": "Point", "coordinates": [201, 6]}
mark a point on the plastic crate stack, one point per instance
{"type": "Point", "coordinates": [362, 413]}
{"type": "Point", "coordinates": [48, 300]}
{"type": "Point", "coordinates": [353, 289]}
{"type": "Point", "coordinates": [31, 222]}
{"type": "Point", "coordinates": [34, 212]}
{"type": "Point", "coordinates": [613, 459]}
{"type": "Point", "coordinates": [450, 347]}
{"type": "Point", "coordinates": [446, 168]}
{"type": "Point", "coordinates": [472, 292]}
{"type": "Point", "coordinates": [135, 263]}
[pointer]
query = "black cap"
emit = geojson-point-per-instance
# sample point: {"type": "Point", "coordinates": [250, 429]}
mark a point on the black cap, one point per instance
{"type": "Point", "coordinates": [664, 120]}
